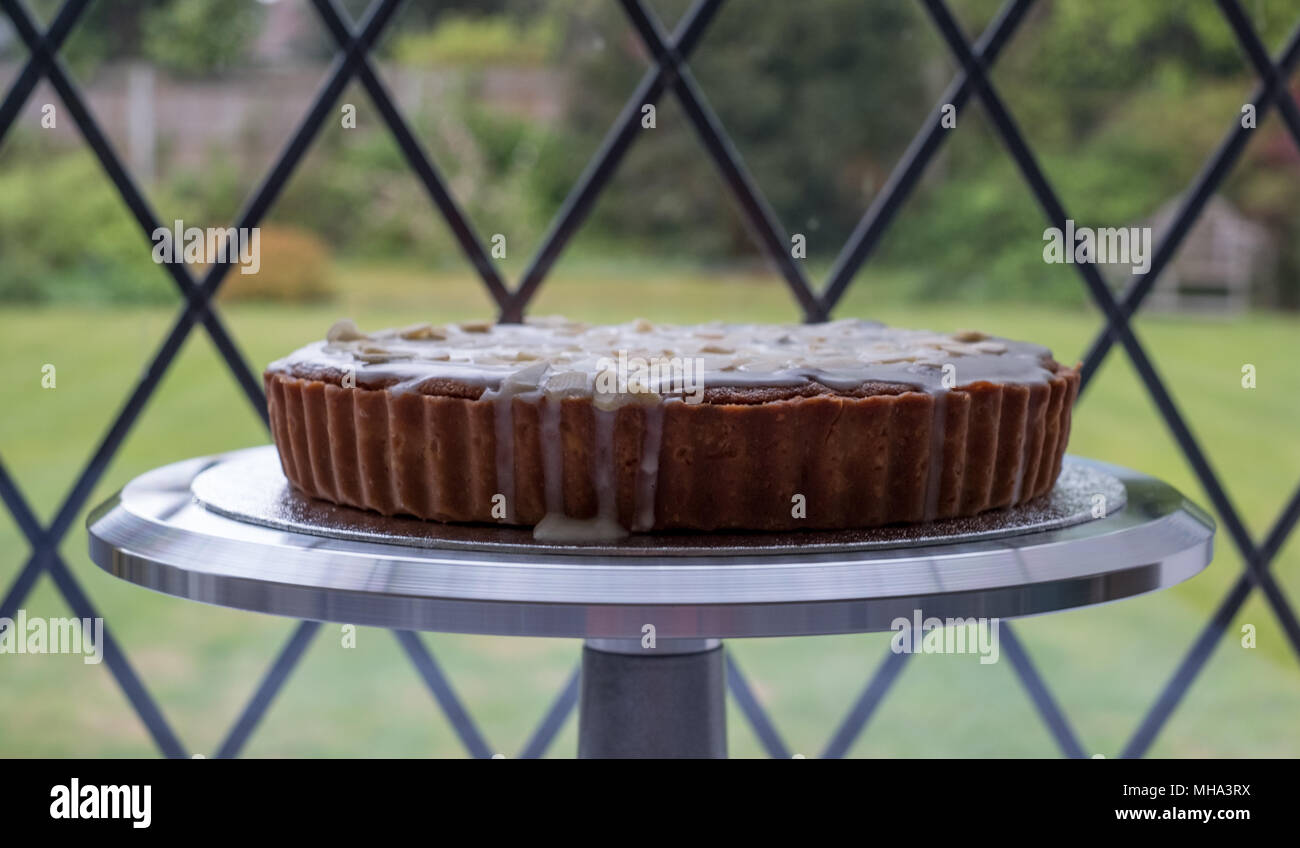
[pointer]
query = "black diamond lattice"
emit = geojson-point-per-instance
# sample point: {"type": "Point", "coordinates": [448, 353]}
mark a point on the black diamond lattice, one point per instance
{"type": "Point", "coordinates": [669, 71]}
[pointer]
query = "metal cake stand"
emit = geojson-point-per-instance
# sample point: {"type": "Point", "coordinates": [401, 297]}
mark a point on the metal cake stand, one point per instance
{"type": "Point", "coordinates": [653, 609]}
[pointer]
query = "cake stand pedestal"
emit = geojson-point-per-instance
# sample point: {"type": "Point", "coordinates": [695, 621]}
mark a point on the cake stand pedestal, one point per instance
{"type": "Point", "coordinates": [653, 610]}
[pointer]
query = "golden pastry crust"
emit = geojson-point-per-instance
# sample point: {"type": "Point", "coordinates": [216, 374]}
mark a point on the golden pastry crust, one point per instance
{"type": "Point", "coordinates": [878, 453]}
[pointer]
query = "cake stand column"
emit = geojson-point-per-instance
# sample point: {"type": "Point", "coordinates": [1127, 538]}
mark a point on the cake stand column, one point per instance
{"type": "Point", "coordinates": [667, 701]}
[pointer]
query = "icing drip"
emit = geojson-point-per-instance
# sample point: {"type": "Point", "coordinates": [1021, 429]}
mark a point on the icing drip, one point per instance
{"type": "Point", "coordinates": [558, 527]}
{"type": "Point", "coordinates": [606, 491]}
{"type": "Point", "coordinates": [647, 478]}
{"type": "Point", "coordinates": [555, 526]}
{"type": "Point", "coordinates": [524, 384]}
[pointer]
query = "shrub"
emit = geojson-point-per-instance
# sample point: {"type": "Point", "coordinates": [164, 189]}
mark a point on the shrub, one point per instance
{"type": "Point", "coordinates": [465, 42]}
{"type": "Point", "coordinates": [295, 268]}
{"type": "Point", "coordinates": [66, 235]}
{"type": "Point", "coordinates": [200, 36]}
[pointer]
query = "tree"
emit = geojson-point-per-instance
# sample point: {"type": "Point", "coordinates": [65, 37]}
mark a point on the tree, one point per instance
{"type": "Point", "coordinates": [818, 98]}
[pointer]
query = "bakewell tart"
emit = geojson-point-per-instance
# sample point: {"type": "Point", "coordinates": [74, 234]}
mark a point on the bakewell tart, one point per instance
{"type": "Point", "coordinates": [587, 432]}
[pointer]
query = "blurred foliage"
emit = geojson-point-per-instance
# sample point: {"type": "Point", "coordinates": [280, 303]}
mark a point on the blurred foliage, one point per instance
{"type": "Point", "coordinates": [788, 85]}
{"type": "Point", "coordinates": [200, 36]}
{"type": "Point", "coordinates": [1121, 102]}
{"type": "Point", "coordinates": [477, 42]}
{"type": "Point", "coordinates": [67, 236]}
{"type": "Point", "coordinates": [295, 268]}
{"type": "Point", "coordinates": [358, 192]}
{"type": "Point", "coordinates": [183, 36]}
{"type": "Point", "coordinates": [106, 30]}
{"type": "Point", "coordinates": [1113, 95]}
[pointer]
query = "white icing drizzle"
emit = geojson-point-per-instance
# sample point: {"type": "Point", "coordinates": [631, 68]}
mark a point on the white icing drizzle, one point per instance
{"type": "Point", "coordinates": [647, 478]}
{"type": "Point", "coordinates": [554, 358]}
{"type": "Point", "coordinates": [606, 490]}
{"type": "Point", "coordinates": [841, 355]}
{"type": "Point", "coordinates": [523, 384]}
{"type": "Point", "coordinates": [558, 527]}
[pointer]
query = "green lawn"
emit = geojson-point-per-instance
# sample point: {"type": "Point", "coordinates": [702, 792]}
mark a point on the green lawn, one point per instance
{"type": "Point", "coordinates": [1105, 665]}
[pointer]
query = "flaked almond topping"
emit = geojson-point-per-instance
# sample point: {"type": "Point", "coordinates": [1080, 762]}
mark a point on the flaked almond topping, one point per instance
{"type": "Point", "coordinates": [345, 330]}
{"type": "Point", "coordinates": [844, 350]}
{"type": "Point", "coordinates": [566, 381]}
{"type": "Point", "coordinates": [525, 378]}
{"type": "Point", "coordinates": [417, 332]}
{"type": "Point", "coordinates": [374, 356]}
{"type": "Point", "coordinates": [373, 353]}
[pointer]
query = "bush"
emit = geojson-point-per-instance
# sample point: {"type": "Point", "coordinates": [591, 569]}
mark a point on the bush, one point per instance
{"type": "Point", "coordinates": [295, 268]}
{"type": "Point", "coordinates": [201, 36]}
{"type": "Point", "coordinates": [476, 42]}
{"type": "Point", "coordinates": [358, 192]}
{"type": "Point", "coordinates": [65, 235]}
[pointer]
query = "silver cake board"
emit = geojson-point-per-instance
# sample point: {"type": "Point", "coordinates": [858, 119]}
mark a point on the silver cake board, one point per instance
{"type": "Point", "coordinates": [252, 488]}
